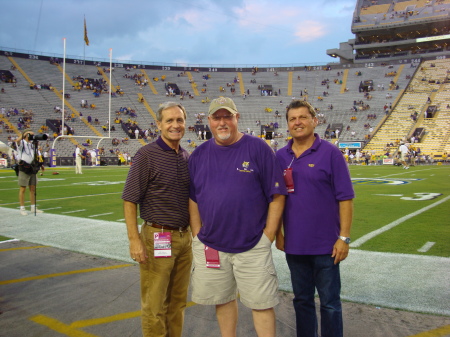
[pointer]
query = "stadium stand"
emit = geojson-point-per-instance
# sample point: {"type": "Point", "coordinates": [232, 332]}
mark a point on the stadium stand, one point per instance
{"type": "Point", "coordinates": [396, 29]}
{"type": "Point", "coordinates": [352, 100]}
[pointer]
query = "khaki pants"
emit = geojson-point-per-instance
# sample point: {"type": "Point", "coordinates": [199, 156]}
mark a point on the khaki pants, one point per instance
{"type": "Point", "coordinates": [78, 165]}
{"type": "Point", "coordinates": [164, 285]}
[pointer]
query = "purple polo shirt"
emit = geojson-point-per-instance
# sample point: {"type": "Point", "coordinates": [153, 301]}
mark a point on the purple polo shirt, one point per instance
{"type": "Point", "coordinates": [233, 186]}
{"type": "Point", "coordinates": [311, 214]}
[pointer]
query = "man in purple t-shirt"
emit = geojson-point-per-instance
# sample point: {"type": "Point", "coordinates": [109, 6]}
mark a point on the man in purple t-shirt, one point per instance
{"type": "Point", "coordinates": [316, 221]}
{"type": "Point", "coordinates": [236, 200]}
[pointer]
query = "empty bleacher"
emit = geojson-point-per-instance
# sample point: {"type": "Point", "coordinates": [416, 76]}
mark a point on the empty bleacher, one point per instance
{"type": "Point", "coordinates": [322, 87]}
{"type": "Point", "coordinates": [428, 87]}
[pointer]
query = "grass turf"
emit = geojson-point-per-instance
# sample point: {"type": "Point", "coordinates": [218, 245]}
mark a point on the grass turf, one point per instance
{"type": "Point", "coordinates": [384, 194]}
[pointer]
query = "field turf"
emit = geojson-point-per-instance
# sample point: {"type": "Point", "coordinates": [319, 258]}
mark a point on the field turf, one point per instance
{"type": "Point", "coordinates": [396, 210]}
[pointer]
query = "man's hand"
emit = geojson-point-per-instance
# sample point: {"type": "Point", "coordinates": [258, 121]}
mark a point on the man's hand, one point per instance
{"type": "Point", "coordinates": [279, 243]}
{"type": "Point", "coordinates": [340, 251]}
{"type": "Point", "coordinates": [137, 251]}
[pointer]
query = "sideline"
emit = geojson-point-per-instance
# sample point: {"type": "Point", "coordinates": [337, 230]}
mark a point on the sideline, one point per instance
{"type": "Point", "coordinates": [382, 279]}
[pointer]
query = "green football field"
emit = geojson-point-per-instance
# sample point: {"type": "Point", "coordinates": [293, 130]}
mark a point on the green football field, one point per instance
{"type": "Point", "coordinates": [396, 210]}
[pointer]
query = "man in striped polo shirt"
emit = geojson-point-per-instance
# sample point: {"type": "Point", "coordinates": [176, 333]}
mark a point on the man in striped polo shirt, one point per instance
{"type": "Point", "coordinates": [158, 181]}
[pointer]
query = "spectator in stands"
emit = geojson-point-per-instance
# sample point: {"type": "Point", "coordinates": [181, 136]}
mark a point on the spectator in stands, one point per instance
{"type": "Point", "coordinates": [163, 206]}
{"type": "Point", "coordinates": [316, 242]}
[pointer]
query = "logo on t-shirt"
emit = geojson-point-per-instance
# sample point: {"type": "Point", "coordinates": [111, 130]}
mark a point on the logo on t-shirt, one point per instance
{"type": "Point", "coordinates": [245, 167]}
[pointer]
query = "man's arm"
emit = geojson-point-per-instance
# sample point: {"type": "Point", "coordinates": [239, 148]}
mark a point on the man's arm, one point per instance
{"type": "Point", "coordinates": [275, 212]}
{"type": "Point", "coordinates": [195, 220]}
{"type": "Point", "coordinates": [137, 247]}
{"type": "Point", "coordinates": [18, 139]}
{"type": "Point", "coordinates": [340, 249]}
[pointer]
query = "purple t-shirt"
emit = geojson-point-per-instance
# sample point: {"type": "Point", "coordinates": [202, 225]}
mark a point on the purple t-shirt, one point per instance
{"type": "Point", "coordinates": [233, 186]}
{"type": "Point", "coordinates": [311, 214]}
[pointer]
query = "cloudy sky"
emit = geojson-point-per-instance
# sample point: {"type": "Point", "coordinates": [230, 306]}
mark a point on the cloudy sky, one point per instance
{"type": "Point", "coordinates": [193, 32]}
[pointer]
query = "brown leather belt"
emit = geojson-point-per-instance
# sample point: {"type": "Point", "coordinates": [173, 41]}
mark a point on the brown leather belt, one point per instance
{"type": "Point", "coordinates": [170, 228]}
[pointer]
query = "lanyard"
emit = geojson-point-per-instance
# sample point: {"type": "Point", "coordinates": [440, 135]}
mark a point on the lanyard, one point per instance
{"type": "Point", "coordinates": [289, 166]}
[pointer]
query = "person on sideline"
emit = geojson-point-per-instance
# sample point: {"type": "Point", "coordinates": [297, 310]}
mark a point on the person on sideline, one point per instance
{"type": "Point", "coordinates": [78, 158]}
{"type": "Point", "coordinates": [404, 150]}
{"type": "Point", "coordinates": [27, 177]}
{"type": "Point", "coordinates": [316, 221]}
{"type": "Point", "coordinates": [236, 202]}
{"type": "Point", "coordinates": [158, 181]}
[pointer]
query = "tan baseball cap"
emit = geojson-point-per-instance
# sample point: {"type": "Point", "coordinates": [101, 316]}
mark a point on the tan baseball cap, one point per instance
{"type": "Point", "coordinates": [26, 131]}
{"type": "Point", "coordinates": [222, 103]}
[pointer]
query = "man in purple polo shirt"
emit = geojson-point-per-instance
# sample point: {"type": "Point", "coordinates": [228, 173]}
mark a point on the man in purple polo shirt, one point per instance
{"type": "Point", "coordinates": [316, 221]}
{"type": "Point", "coordinates": [236, 200]}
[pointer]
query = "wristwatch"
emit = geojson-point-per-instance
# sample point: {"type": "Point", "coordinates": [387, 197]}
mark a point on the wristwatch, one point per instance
{"type": "Point", "coordinates": [345, 239]}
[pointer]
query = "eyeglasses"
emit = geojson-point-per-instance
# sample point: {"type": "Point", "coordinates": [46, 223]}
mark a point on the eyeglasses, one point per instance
{"type": "Point", "coordinates": [219, 118]}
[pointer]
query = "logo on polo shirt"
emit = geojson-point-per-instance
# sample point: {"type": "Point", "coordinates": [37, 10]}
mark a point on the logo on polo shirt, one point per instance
{"type": "Point", "coordinates": [245, 167]}
{"type": "Point", "coordinates": [311, 165]}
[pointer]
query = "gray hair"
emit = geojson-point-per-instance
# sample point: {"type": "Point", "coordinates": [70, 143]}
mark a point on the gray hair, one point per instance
{"type": "Point", "coordinates": [167, 105]}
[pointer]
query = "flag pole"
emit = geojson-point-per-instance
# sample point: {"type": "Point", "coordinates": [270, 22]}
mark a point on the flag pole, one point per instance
{"type": "Point", "coordinates": [63, 88]}
{"type": "Point", "coordinates": [84, 47]}
{"type": "Point", "coordinates": [110, 93]}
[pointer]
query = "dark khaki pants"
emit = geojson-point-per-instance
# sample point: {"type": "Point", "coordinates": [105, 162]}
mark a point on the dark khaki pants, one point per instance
{"type": "Point", "coordinates": [164, 285]}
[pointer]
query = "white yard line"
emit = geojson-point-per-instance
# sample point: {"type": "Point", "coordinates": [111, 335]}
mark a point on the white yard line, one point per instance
{"type": "Point", "coordinates": [75, 211]}
{"type": "Point", "coordinates": [363, 239]}
{"type": "Point", "coordinates": [12, 240]}
{"type": "Point", "coordinates": [426, 247]}
{"type": "Point", "coordinates": [65, 198]}
{"type": "Point", "coordinates": [407, 172]}
{"type": "Point", "coordinates": [96, 215]}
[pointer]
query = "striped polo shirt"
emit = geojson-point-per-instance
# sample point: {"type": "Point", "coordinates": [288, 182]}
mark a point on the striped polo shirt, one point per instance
{"type": "Point", "coordinates": [158, 181]}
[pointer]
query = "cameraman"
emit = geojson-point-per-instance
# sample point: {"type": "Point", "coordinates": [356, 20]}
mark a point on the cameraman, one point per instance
{"type": "Point", "coordinates": [25, 155]}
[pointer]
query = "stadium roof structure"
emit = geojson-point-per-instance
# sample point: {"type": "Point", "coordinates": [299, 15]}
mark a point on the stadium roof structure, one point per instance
{"type": "Point", "coordinates": [387, 30]}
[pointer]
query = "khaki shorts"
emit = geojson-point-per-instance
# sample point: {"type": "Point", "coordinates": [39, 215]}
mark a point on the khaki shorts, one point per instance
{"type": "Point", "coordinates": [27, 179]}
{"type": "Point", "coordinates": [252, 274]}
